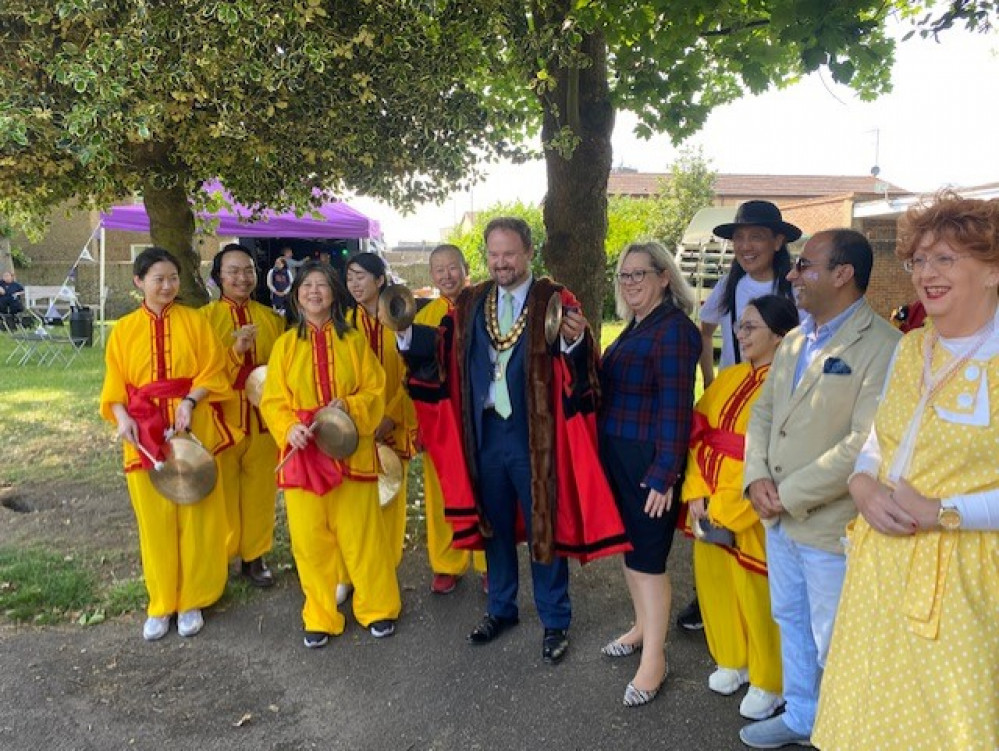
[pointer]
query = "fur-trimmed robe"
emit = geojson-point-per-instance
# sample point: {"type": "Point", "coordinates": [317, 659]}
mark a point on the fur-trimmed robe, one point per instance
{"type": "Point", "coordinates": [573, 511]}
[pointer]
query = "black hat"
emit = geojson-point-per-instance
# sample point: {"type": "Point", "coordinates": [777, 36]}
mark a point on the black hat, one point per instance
{"type": "Point", "coordinates": [758, 214]}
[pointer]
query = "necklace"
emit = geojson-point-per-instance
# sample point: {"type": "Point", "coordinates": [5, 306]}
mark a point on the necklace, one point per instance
{"type": "Point", "coordinates": [503, 342]}
{"type": "Point", "coordinates": [931, 383]}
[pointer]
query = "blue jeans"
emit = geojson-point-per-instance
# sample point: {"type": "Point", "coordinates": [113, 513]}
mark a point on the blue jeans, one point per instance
{"type": "Point", "coordinates": [805, 585]}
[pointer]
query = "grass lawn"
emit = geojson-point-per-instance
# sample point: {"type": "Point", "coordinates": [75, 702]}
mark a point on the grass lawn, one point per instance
{"type": "Point", "coordinates": [49, 427]}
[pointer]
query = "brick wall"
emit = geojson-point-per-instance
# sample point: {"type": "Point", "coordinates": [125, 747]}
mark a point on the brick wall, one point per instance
{"type": "Point", "coordinates": [890, 285]}
{"type": "Point", "coordinates": [814, 216]}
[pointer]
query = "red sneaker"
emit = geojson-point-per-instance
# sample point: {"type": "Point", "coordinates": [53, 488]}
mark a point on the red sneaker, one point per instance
{"type": "Point", "coordinates": [444, 584]}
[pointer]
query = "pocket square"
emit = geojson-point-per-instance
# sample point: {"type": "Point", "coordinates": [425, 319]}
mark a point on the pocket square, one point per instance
{"type": "Point", "coordinates": [835, 366]}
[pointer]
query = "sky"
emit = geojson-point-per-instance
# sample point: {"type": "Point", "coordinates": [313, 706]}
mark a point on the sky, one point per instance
{"type": "Point", "coordinates": [937, 127]}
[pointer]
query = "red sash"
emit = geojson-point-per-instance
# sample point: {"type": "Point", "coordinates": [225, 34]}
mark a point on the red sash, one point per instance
{"type": "Point", "coordinates": [153, 418]}
{"type": "Point", "coordinates": [725, 442]}
{"type": "Point", "coordinates": [309, 468]}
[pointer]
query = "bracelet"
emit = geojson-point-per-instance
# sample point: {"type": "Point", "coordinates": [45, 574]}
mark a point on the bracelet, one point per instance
{"type": "Point", "coordinates": [192, 400]}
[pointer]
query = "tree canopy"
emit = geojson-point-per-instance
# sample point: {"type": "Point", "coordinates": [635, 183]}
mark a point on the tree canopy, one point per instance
{"type": "Point", "coordinates": [277, 98]}
{"type": "Point", "coordinates": [398, 100]}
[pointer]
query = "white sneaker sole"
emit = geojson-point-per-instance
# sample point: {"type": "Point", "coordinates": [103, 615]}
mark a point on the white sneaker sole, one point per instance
{"type": "Point", "coordinates": [765, 714]}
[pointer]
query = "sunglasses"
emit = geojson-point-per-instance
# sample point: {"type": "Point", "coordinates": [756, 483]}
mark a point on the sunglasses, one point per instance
{"type": "Point", "coordinates": [801, 263]}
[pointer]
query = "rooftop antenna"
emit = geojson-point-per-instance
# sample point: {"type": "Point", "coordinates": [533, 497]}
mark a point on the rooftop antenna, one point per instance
{"type": "Point", "coordinates": [879, 185]}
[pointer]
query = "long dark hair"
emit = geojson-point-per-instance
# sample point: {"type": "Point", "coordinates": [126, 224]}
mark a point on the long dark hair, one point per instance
{"type": "Point", "coordinates": [781, 266]}
{"type": "Point", "coordinates": [341, 299]}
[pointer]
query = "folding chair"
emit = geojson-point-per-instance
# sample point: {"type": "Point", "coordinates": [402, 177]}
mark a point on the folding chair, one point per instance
{"type": "Point", "coordinates": [28, 342]}
{"type": "Point", "coordinates": [62, 345]}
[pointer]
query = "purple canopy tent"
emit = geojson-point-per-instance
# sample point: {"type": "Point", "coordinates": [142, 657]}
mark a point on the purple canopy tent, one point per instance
{"type": "Point", "coordinates": [335, 220]}
{"type": "Point", "coordinates": [332, 219]}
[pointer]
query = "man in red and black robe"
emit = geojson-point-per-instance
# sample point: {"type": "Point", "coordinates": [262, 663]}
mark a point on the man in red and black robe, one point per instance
{"type": "Point", "coordinates": [509, 422]}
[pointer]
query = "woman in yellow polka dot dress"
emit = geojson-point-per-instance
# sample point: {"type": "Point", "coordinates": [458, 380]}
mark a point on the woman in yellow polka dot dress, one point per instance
{"type": "Point", "coordinates": [914, 662]}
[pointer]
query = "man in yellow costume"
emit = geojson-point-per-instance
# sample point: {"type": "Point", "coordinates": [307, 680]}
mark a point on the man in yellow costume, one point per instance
{"type": "Point", "coordinates": [164, 369]}
{"type": "Point", "coordinates": [449, 272]}
{"type": "Point", "coordinates": [332, 505]}
{"type": "Point", "coordinates": [247, 331]}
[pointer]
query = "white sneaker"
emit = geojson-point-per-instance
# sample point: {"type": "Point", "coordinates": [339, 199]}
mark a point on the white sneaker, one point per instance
{"type": "Point", "coordinates": [155, 628]}
{"type": "Point", "coordinates": [726, 681]}
{"type": "Point", "coordinates": [758, 704]}
{"type": "Point", "coordinates": [343, 591]}
{"type": "Point", "coordinates": [190, 622]}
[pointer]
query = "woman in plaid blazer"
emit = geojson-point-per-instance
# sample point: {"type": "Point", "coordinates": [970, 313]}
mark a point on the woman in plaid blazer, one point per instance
{"type": "Point", "coordinates": [647, 379]}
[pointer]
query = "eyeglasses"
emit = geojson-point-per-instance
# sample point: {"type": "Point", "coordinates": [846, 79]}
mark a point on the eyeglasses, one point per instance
{"type": "Point", "coordinates": [247, 271]}
{"type": "Point", "coordinates": [940, 263]}
{"type": "Point", "coordinates": [747, 328]}
{"type": "Point", "coordinates": [635, 276]}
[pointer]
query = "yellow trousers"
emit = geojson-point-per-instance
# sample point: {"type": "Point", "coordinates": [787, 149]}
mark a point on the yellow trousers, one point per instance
{"type": "Point", "coordinates": [183, 547]}
{"type": "Point", "coordinates": [394, 516]}
{"type": "Point", "coordinates": [248, 482]}
{"type": "Point", "coordinates": [735, 606]}
{"type": "Point", "coordinates": [345, 522]}
{"type": "Point", "coordinates": [444, 559]}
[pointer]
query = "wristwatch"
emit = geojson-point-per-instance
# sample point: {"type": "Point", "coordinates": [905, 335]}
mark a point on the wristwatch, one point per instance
{"type": "Point", "coordinates": [949, 518]}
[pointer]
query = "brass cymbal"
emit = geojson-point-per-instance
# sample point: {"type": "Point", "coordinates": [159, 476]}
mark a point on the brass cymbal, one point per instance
{"type": "Point", "coordinates": [188, 473]}
{"type": "Point", "coordinates": [553, 318]}
{"type": "Point", "coordinates": [336, 434]}
{"type": "Point", "coordinates": [255, 384]}
{"type": "Point", "coordinates": [396, 307]}
{"type": "Point", "coordinates": [389, 474]}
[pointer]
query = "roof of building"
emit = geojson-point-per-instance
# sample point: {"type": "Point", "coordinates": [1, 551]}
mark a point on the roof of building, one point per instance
{"type": "Point", "coordinates": [775, 186]}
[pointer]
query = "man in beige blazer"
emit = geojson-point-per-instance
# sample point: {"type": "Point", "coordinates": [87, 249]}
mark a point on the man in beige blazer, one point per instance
{"type": "Point", "coordinates": [805, 432]}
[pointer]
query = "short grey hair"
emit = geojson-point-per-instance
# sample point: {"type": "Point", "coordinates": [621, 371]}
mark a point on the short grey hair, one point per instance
{"type": "Point", "coordinates": [679, 292]}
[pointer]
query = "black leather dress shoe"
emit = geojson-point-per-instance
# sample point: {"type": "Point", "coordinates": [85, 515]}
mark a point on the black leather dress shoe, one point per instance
{"type": "Point", "coordinates": [555, 645]}
{"type": "Point", "coordinates": [490, 627]}
{"type": "Point", "coordinates": [258, 573]}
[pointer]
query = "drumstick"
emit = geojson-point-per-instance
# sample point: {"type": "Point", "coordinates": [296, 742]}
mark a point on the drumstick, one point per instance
{"type": "Point", "coordinates": [157, 464]}
{"type": "Point", "coordinates": [291, 453]}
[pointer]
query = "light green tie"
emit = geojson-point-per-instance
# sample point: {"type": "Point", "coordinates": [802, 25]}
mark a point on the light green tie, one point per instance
{"type": "Point", "coordinates": [501, 395]}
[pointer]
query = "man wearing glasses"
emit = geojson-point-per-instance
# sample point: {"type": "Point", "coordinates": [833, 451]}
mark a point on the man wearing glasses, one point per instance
{"type": "Point", "coordinates": [809, 424]}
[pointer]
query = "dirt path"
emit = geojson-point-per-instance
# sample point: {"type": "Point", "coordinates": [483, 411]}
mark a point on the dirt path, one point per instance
{"type": "Point", "coordinates": [247, 682]}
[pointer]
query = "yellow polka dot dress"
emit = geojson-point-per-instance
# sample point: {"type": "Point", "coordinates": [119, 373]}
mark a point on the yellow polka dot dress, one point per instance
{"type": "Point", "coordinates": [914, 661]}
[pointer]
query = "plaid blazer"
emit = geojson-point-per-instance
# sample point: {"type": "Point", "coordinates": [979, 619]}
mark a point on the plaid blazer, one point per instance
{"type": "Point", "coordinates": [647, 385]}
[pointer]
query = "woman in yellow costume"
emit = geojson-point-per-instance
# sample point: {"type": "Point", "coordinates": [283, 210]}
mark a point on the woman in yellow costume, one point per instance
{"type": "Point", "coordinates": [366, 278]}
{"type": "Point", "coordinates": [448, 272]}
{"type": "Point", "coordinates": [247, 331]}
{"type": "Point", "coordinates": [730, 567]}
{"type": "Point", "coordinates": [914, 659]}
{"type": "Point", "coordinates": [164, 369]}
{"type": "Point", "coordinates": [332, 505]}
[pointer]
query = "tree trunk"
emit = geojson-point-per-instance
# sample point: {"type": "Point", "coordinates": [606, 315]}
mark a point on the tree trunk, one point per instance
{"type": "Point", "coordinates": [575, 209]}
{"type": "Point", "coordinates": [171, 225]}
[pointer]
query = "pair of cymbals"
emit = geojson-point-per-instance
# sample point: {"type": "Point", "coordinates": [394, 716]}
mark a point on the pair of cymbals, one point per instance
{"type": "Point", "coordinates": [336, 436]}
{"type": "Point", "coordinates": [335, 432]}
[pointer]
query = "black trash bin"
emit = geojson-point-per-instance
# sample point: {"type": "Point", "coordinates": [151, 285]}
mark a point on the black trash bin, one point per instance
{"type": "Point", "coordinates": [81, 325]}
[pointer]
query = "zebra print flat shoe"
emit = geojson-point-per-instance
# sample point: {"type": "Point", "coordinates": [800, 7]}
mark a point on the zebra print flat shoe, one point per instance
{"type": "Point", "coordinates": [617, 648]}
{"type": "Point", "coordinates": [636, 697]}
